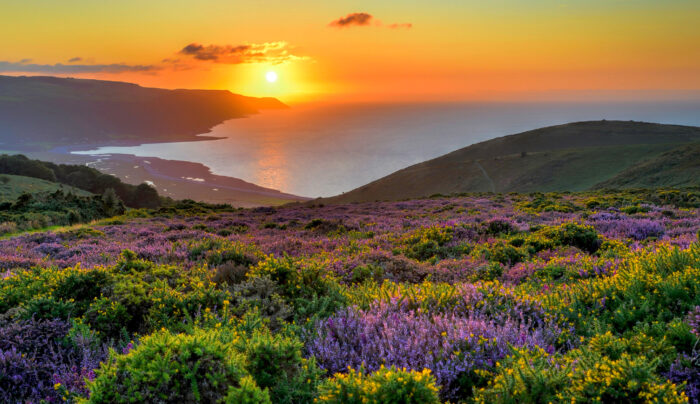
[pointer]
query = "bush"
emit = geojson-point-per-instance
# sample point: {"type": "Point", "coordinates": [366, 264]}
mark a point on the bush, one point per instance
{"type": "Point", "coordinates": [109, 318]}
{"type": "Point", "coordinates": [276, 363]}
{"type": "Point", "coordinates": [500, 252]}
{"type": "Point", "coordinates": [385, 386]}
{"type": "Point", "coordinates": [167, 368]}
{"type": "Point", "coordinates": [575, 235]}
{"type": "Point", "coordinates": [582, 376]}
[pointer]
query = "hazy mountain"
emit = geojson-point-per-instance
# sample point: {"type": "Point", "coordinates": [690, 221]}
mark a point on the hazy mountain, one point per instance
{"type": "Point", "coordinates": [40, 112]}
{"type": "Point", "coordinates": [570, 157]}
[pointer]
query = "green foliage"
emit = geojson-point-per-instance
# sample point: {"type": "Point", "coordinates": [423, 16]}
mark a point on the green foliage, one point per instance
{"type": "Point", "coordinates": [309, 290]}
{"type": "Point", "coordinates": [385, 386]}
{"type": "Point", "coordinates": [34, 211]}
{"type": "Point", "coordinates": [85, 178]}
{"type": "Point", "coordinates": [248, 393]}
{"type": "Point", "coordinates": [431, 244]}
{"type": "Point", "coordinates": [108, 318]}
{"type": "Point", "coordinates": [48, 308]}
{"type": "Point", "coordinates": [276, 363]}
{"type": "Point", "coordinates": [652, 287]}
{"type": "Point", "coordinates": [602, 372]}
{"type": "Point", "coordinates": [81, 285]}
{"type": "Point", "coordinates": [550, 202]}
{"type": "Point", "coordinates": [500, 252]}
{"type": "Point", "coordinates": [170, 368]}
{"type": "Point", "coordinates": [573, 234]}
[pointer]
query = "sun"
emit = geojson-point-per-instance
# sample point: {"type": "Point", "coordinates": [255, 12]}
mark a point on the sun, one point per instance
{"type": "Point", "coordinates": [271, 77]}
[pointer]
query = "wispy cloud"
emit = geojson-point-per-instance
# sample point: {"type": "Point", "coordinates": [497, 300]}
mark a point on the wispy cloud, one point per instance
{"type": "Point", "coordinates": [60, 68]}
{"type": "Point", "coordinates": [268, 52]}
{"type": "Point", "coordinates": [363, 20]}
{"type": "Point", "coordinates": [191, 57]}
{"type": "Point", "coordinates": [405, 25]}
{"type": "Point", "coordinates": [352, 19]}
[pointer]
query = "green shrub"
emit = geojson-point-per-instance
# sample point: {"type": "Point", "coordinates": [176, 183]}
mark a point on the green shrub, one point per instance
{"type": "Point", "coordinates": [248, 393]}
{"type": "Point", "coordinates": [276, 363]}
{"type": "Point", "coordinates": [525, 377]}
{"type": "Point", "coordinates": [500, 252]}
{"type": "Point", "coordinates": [385, 386]}
{"type": "Point", "coordinates": [129, 262]}
{"type": "Point", "coordinates": [167, 368]}
{"type": "Point", "coordinates": [575, 235]}
{"type": "Point", "coordinates": [309, 289]}
{"type": "Point", "coordinates": [109, 318]}
{"type": "Point", "coordinates": [48, 308]}
{"type": "Point", "coordinates": [585, 375]}
{"type": "Point", "coordinates": [82, 286]}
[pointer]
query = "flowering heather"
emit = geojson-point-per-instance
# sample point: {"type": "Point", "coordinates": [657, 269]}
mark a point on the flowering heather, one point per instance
{"type": "Point", "coordinates": [486, 294]}
{"type": "Point", "coordinates": [447, 344]}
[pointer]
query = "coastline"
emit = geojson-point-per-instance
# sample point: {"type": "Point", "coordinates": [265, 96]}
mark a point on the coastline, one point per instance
{"type": "Point", "coordinates": [173, 178]}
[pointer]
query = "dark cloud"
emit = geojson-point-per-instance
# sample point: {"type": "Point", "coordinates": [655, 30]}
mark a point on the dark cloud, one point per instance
{"type": "Point", "coordinates": [268, 52]}
{"type": "Point", "coordinates": [214, 52]}
{"type": "Point", "coordinates": [75, 59]}
{"type": "Point", "coordinates": [352, 19]}
{"type": "Point", "coordinates": [60, 68]}
{"type": "Point", "coordinates": [364, 19]}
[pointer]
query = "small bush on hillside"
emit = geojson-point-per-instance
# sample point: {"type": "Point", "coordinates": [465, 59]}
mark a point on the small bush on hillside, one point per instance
{"type": "Point", "coordinates": [385, 386]}
{"type": "Point", "coordinates": [276, 363]}
{"type": "Point", "coordinates": [167, 368]}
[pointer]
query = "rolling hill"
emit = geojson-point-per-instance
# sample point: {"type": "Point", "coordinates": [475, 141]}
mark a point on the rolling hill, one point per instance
{"type": "Point", "coordinates": [12, 186]}
{"type": "Point", "coordinates": [571, 157]}
{"type": "Point", "coordinates": [38, 113]}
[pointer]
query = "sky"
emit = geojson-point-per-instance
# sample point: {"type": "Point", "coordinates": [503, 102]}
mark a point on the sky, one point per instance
{"type": "Point", "coordinates": [366, 51]}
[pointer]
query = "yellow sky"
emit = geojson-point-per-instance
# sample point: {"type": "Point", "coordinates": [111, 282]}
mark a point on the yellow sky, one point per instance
{"type": "Point", "coordinates": [500, 49]}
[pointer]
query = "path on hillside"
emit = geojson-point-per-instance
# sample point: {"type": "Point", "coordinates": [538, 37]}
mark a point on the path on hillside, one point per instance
{"type": "Point", "coordinates": [493, 186]}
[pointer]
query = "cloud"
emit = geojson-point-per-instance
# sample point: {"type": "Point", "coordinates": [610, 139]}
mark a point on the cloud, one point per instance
{"type": "Point", "coordinates": [405, 25]}
{"type": "Point", "coordinates": [60, 68]}
{"type": "Point", "coordinates": [356, 19]}
{"type": "Point", "coordinates": [363, 20]}
{"type": "Point", "coordinates": [268, 52]}
{"type": "Point", "coordinates": [75, 59]}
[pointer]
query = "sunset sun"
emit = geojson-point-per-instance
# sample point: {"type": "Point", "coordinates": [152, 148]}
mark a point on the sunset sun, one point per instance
{"type": "Point", "coordinates": [271, 77]}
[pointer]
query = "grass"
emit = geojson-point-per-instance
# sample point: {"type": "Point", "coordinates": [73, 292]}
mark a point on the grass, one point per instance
{"type": "Point", "coordinates": [17, 185]}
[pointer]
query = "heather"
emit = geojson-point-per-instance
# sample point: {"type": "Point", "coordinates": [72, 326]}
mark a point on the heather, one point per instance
{"type": "Point", "coordinates": [476, 298]}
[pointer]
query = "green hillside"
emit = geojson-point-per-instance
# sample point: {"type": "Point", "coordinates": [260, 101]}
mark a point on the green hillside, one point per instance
{"type": "Point", "coordinates": [679, 167]}
{"type": "Point", "coordinates": [571, 157]}
{"type": "Point", "coordinates": [12, 186]}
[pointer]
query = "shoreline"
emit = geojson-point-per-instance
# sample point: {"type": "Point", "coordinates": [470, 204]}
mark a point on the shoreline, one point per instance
{"type": "Point", "coordinates": [177, 179]}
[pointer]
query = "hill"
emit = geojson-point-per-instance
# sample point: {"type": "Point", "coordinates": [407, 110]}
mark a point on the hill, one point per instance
{"type": "Point", "coordinates": [679, 167]}
{"type": "Point", "coordinates": [82, 177]}
{"type": "Point", "coordinates": [12, 186]}
{"type": "Point", "coordinates": [570, 157]}
{"type": "Point", "coordinates": [42, 112]}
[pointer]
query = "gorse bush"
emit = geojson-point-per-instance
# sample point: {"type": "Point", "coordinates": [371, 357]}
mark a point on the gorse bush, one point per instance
{"type": "Point", "coordinates": [386, 386]}
{"type": "Point", "coordinates": [276, 363]}
{"type": "Point", "coordinates": [170, 368]}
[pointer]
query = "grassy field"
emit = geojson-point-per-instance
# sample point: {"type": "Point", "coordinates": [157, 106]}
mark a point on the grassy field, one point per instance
{"type": "Point", "coordinates": [12, 186]}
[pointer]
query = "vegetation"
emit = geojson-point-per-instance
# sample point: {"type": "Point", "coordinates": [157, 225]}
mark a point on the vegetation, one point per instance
{"type": "Point", "coordinates": [81, 177]}
{"type": "Point", "coordinates": [582, 297]}
{"type": "Point", "coordinates": [572, 157]}
{"type": "Point", "coordinates": [36, 211]}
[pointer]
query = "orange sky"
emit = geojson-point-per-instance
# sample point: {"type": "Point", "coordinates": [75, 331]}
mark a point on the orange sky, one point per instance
{"type": "Point", "coordinates": [397, 50]}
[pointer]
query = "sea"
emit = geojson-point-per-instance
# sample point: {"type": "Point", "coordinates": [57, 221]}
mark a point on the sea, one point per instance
{"type": "Point", "coordinates": [326, 149]}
